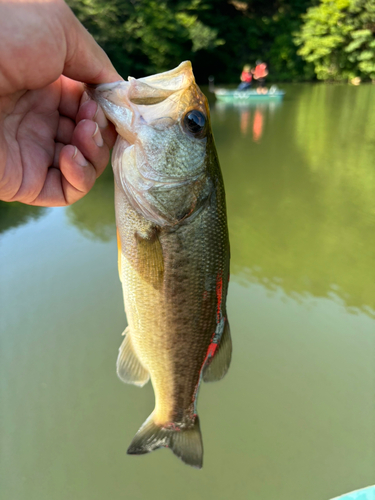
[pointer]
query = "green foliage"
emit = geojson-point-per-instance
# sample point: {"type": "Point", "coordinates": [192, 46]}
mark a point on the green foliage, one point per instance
{"type": "Point", "coordinates": [258, 30]}
{"type": "Point", "coordinates": [146, 36]}
{"type": "Point", "coordinates": [338, 38]}
{"type": "Point", "coordinates": [218, 36]}
{"type": "Point", "coordinates": [201, 35]}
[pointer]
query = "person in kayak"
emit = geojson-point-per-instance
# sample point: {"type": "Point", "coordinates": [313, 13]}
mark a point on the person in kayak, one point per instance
{"type": "Point", "coordinates": [260, 72]}
{"type": "Point", "coordinates": [246, 78]}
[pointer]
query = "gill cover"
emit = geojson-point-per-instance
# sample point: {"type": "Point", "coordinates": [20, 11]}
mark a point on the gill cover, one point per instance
{"type": "Point", "coordinates": [159, 156]}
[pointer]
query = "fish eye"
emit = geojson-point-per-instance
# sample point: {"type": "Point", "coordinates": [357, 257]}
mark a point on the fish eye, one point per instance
{"type": "Point", "coordinates": [194, 122]}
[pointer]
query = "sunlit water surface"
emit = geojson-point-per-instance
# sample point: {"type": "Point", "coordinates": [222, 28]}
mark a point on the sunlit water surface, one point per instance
{"type": "Point", "coordinates": [295, 417]}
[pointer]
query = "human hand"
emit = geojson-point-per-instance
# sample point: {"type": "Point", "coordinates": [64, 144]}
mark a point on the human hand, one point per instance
{"type": "Point", "coordinates": [54, 140]}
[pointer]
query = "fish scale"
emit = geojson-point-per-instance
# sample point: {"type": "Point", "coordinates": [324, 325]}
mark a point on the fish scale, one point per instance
{"type": "Point", "coordinates": [173, 252]}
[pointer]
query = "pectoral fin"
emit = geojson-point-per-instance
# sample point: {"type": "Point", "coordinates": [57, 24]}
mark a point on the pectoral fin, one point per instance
{"type": "Point", "coordinates": [129, 368]}
{"type": "Point", "coordinates": [218, 366]}
{"type": "Point", "coordinates": [150, 261]}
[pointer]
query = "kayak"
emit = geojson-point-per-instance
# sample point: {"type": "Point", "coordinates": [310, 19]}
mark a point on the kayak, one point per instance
{"type": "Point", "coordinates": [363, 494]}
{"type": "Point", "coordinates": [225, 95]}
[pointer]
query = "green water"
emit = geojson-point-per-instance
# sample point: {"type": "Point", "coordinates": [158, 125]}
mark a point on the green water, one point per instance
{"type": "Point", "coordinates": [295, 417]}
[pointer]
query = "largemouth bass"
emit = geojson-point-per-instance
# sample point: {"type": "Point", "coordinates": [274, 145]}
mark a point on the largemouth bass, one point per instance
{"type": "Point", "coordinates": [173, 251]}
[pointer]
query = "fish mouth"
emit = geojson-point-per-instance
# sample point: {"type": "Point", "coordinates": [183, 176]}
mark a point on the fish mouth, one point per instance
{"type": "Point", "coordinates": [173, 80]}
{"type": "Point", "coordinates": [112, 97]}
{"type": "Point", "coordinates": [152, 100]}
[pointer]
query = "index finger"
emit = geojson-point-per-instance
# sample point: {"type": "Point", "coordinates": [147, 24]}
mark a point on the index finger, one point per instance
{"type": "Point", "coordinates": [85, 60]}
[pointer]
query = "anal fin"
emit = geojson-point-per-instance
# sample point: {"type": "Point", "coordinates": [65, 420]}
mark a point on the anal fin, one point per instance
{"type": "Point", "coordinates": [129, 368]}
{"type": "Point", "coordinates": [218, 366]}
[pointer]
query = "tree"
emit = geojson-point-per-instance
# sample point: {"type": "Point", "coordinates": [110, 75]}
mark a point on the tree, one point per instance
{"type": "Point", "coordinates": [147, 36]}
{"type": "Point", "coordinates": [218, 36]}
{"type": "Point", "coordinates": [338, 37]}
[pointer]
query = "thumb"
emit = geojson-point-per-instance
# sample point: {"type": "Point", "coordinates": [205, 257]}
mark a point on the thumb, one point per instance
{"type": "Point", "coordinates": [85, 61]}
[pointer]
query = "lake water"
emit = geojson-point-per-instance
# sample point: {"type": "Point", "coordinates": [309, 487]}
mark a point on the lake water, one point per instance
{"type": "Point", "coordinates": [294, 419]}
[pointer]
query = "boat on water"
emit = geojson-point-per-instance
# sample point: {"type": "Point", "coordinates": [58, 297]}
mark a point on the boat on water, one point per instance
{"type": "Point", "coordinates": [225, 95]}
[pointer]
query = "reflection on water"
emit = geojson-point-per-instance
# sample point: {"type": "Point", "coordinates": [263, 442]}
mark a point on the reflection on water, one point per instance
{"type": "Point", "coordinates": [294, 418]}
{"type": "Point", "coordinates": [258, 124]}
{"type": "Point", "coordinates": [252, 114]}
{"type": "Point", "coordinates": [94, 215]}
{"type": "Point", "coordinates": [302, 206]}
{"type": "Point", "coordinates": [15, 214]}
{"type": "Point", "coordinates": [245, 117]}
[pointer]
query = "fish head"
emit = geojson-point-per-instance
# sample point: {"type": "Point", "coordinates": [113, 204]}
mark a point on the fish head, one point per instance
{"type": "Point", "coordinates": [161, 157]}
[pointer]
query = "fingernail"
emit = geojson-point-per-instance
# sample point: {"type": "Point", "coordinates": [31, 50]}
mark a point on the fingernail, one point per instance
{"type": "Point", "coordinates": [97, 136]}
{"type": "Point", "coordinates": [85, 97]}
{"type": "Point", "coordinates": [79, 158]}
{"type": "Point", "coordinates": [100, 118]}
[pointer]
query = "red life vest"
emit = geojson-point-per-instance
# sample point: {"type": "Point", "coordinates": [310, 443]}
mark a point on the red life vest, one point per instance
{"type": "Point", "coordinates": [260, 71]}
{"type": "Point", "coordinates": [246, 77]}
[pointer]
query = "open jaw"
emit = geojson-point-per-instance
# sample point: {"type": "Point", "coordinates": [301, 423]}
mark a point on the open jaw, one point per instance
{"type": "Point", "coordinates": [152, 100]}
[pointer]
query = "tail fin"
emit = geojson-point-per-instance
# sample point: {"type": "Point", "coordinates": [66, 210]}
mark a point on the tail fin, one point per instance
{"type": "Point", "coordinates": [186, 444]}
